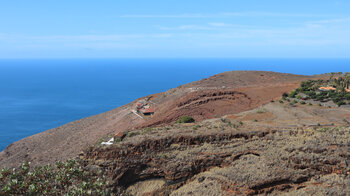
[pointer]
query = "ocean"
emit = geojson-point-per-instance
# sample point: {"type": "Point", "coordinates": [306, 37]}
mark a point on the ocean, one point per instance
{"type": "Point", "coordinates": [36, 95]}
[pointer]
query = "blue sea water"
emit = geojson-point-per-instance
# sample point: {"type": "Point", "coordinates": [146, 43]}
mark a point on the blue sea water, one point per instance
{"type": "Point", "coordinates": [36, 95]}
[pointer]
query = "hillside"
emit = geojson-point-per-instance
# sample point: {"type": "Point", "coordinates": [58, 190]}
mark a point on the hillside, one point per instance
{"type": "Point", "coordinates": [279, 148]}
{"type": "Point", "coordinates": [220, 157]}
{"type": "Point", "coordinates": [222, 94]}
{"type": "Point", "coordinates": [248, 139]}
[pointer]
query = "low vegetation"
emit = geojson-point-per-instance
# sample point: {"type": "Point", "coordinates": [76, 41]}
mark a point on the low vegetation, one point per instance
{"type": "Point", "coordinates": [185, 119]}
{"type": "Point", "coordinates": [132, 134]}
{"type": "Point", "coordinates": [261, 110]}
{"type": "Point", "coordinates": [65, 178]}
{"type": "Point", "coordinates": [334, 89]}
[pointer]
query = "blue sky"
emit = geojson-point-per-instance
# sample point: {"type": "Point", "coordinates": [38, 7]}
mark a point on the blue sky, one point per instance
{"type": "Point", "coordinates": [174, 29]}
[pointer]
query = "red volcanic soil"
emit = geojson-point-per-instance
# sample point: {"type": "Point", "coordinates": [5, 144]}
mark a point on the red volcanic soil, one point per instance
{"type": "Point", "coordinates": [207, 104]}
{"type": "Point", "coordinates": [226, 93]}
{"type": "Point", "coordinates": [222, 94]}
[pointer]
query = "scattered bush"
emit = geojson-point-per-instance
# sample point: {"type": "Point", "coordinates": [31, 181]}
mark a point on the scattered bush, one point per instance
{"type": "Point", "coordinates": [306, 85]}
{"type": "Point", "coordinates": [225, 120]}
{"type": "Point", "coordinates": [339, 103]}
{"type": "Point", "coordinates": [285, 95]}
{"type": "Point", "coordinates": [261, 110]}
{"type": "Point", "coordinates": [65, 178]}
{"type": "Point", "coordinates": [148, 130]}
{"type": "Point", "coordinates": [323, 129]}
{"type": "Point", "coordinates": [196, 127]}
{"type": "Point", "coordinates": [185, 119]}
{"type": "Point", "coordinates": [347, 96]}
{"type": "Point", "coordinates": [132, 134]}
{"type": "Point", "coordinates": [310, 88]}
{"type": "Point", "coordinates": [292, 94]}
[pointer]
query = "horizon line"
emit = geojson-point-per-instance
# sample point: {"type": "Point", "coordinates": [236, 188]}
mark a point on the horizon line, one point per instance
{"type": "Point", "coordinates": [124, 58]}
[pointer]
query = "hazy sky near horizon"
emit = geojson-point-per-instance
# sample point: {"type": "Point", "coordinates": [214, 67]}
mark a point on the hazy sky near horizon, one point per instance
{"type": "Point", "coordinates": [174, 29]}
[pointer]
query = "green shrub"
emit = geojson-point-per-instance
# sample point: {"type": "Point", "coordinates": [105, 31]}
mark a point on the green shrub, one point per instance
{"type": "Point", "coordinates": [347, 96]}
{"type": "Point", "coordinates": [311, 94]}
{"type": "Point", "coordinates": [185, 119]}
{"type": "Point", "coordinates": [148, 130]}
{"type": "Point", "coordinates": [261, 110]}
{"type": "Point", "coordinates": [306, 85]}
{"type": "Point", "coordinates": [310, 88]}
{"type": "Point", "coordinates": [132, 134]}
{"type": "Point", "coordinates": [339, 103]}
{"type": "Point", "coordinates": [285, 95]}
{"type": "Point", "coordinates": [196, 127]}
{"type": "Point", "coordinates": [298, 97]}
{"type": "Point", "coordinates": [292, 94]}
{"type": "Point", "coordinates": [302, 102]}
{"type": "Point", "coordinates": [323, 129]}
{"type": "Point", "coordinates": [225, 120]}
{"type": "Point", "coordinates": [281, 101]}
{"type": "Point", "coordinates": [64, 178]}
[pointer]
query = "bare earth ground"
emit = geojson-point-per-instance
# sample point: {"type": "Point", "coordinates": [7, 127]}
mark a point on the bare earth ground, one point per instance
{"type": "Point", "coordinates": [284, 116]}
{"type": "Point", "coordinates": [243, 143]}
{"type": "Point", "coordinates": [222, 157]}
{"type": "Point", "coordinates": [222, 94]}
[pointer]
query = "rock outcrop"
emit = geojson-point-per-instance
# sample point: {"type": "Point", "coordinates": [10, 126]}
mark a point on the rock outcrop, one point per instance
{"type": "Point", "coordinates": [244, 90]}
{"type": "Point", "coordinates": [243, 143]}
{"type": "Point", "coordinates": [227, 161]}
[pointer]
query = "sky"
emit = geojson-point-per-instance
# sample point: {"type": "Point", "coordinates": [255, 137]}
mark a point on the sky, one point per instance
{"type": "Point", "coordinates": [174, 29]}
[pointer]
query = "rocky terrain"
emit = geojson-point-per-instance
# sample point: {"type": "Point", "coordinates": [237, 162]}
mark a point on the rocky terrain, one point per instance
{"type": "Point", "coordinates": [237, 156]}
{"type": "Point", "coordinates": [245, 141]}
{"type": "Point", "coordinates": [226, 93]}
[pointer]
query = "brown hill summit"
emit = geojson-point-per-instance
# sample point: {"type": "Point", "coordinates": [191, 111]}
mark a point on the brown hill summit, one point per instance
{"type": "Point", "coordinates": [219, 95]}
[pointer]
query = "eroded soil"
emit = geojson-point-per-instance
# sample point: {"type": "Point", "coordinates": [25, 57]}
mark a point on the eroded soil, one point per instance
{"type": "Point", "coordinates": [244, 142]}
{"type": "Point", "coordinates": [219, 95]}
{"type": "Point", "coordinates": [218, 157]}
